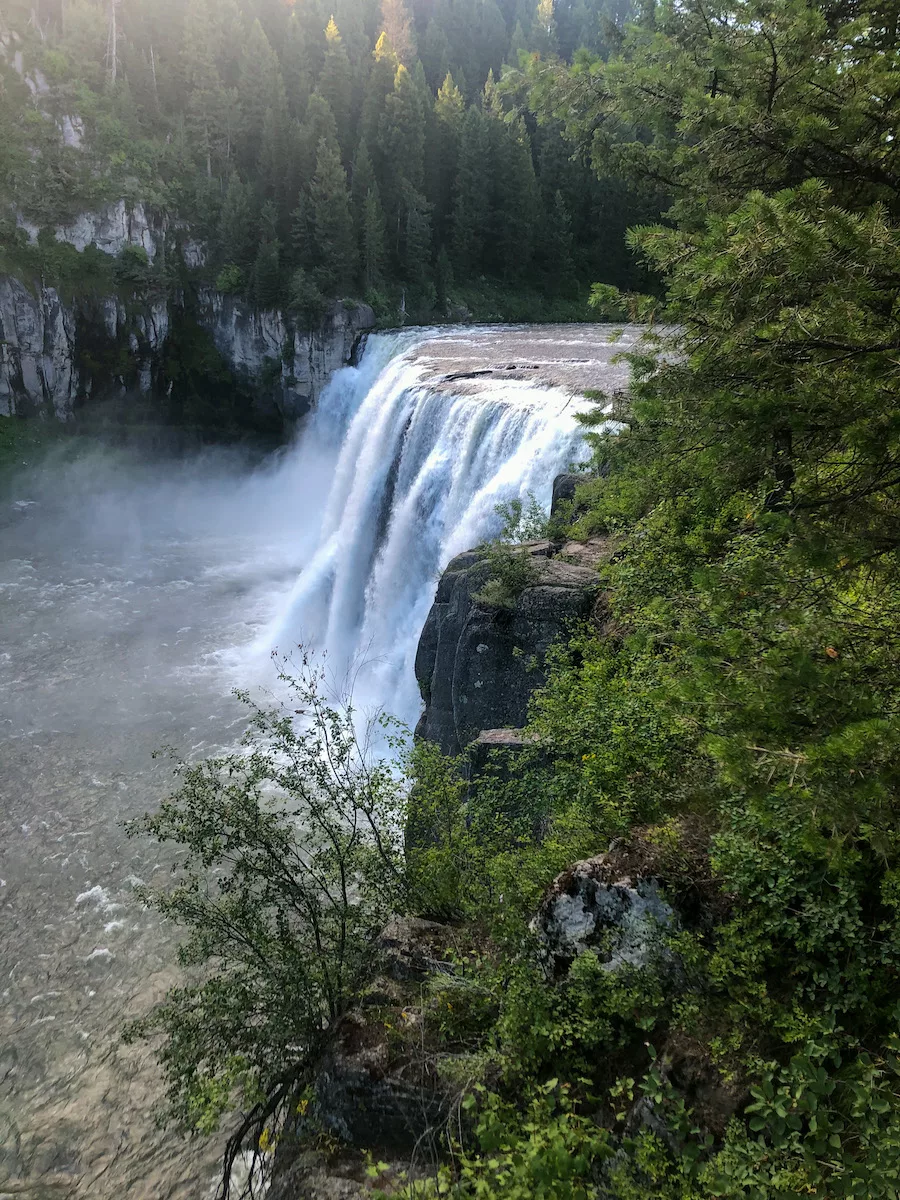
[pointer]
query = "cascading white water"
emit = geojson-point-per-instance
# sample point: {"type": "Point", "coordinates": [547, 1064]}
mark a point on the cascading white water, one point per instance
{"type": "Point", "coordinates": [415, 474]}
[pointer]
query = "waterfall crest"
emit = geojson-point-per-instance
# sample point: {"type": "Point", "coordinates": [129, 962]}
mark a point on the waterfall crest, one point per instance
{"type": "Point", "coordinates": [404, 473]}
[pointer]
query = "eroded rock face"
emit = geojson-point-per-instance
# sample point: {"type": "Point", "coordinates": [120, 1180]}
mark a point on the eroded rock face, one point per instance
{"type": "Point", "coordinates": [477, 664]}
{"type": "Point", "coordinates": [39, 371]}
{"type": "Point", "coordinates": [112, 228]}
{"type": "Point", "coordinates": [37, 352]}
{"type": "Point", "coordinates": [40, 337]}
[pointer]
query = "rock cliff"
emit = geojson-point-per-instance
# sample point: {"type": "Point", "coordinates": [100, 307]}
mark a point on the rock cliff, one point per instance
{"type": "Point", "coordinates": [45, 371]}
{"type": "Point", "coordinates": [298, 362]}
{"type": "Point", "coordinates": [477, 663]}
{"type": "Point", "coordinates": [50, 346]}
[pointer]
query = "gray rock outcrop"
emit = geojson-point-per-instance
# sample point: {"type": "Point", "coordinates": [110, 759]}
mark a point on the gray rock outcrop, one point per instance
{"type": "Point", "coordinates": [39, 362]}
{"type": "Point", "coordinates": [622, 921]}
{"type": "Point", "coordinates": [298, 362]}
{"type": "Point", "coordinates": [477, 664]}
{"type": "Point", "coordinates": [42, 372]}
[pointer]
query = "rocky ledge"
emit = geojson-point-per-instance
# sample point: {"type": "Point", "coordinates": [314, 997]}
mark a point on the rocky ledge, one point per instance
{"type": "Point", "coordinates": [478, 663]}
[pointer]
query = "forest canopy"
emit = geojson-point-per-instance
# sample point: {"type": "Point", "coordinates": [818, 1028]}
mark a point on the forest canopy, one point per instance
{"type": "Point", "coordinates": [323, 150]}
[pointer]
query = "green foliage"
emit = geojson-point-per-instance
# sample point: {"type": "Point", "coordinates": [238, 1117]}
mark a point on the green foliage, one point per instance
{"type": "Point", "coordinates": [512, 567]}
{"type": "Point", "coordinates": [306, 300]}
{"type": "Point", "coordinates": [230, 279]}
{"type": "Point", "coordinates": [288, 866]}
{"type": "Point", "coordinates": [209, 113]}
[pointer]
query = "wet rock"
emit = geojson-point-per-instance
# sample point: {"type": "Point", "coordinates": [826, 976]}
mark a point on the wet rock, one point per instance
{"type": "Point", "coordinates": [623, 922]}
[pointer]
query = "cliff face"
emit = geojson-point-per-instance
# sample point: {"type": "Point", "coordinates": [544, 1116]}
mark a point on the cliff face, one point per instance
{"type": "Point", "coordinates": [41, 369]}
{"type": "Point", "coordinates": [298, 362]}
{"type": "Point", "coordinates": [478, 664]}
{"type": "Point", "coordinates": [51, 349]}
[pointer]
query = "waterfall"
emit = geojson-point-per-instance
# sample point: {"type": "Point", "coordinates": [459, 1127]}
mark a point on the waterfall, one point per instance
{"type": "Point", "coordinates": [394, 475]}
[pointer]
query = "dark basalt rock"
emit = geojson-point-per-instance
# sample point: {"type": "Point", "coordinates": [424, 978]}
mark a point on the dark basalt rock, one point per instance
{"type": "Point", "coordinates": [477, 664]}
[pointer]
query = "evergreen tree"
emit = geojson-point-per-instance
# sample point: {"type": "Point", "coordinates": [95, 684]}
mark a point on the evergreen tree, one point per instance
{"type": "Point", "coordinates": [396, 22]}
{"type": "Point", "coordinates": [450, 112]}
{"type": "Point", "coordinates": [378, 87]}
{"type": "Point", "coordinates": [335, 250]}
{"type": "Point", "coordinates": [260, 88]}
{"type": "Point", "coordinates": [237, 226]}
{"type": "Point", "coordinates": [303, 233]}
{"type": "Point", "coordinates": [267, 291]}
{"type": "Point", "coordinates": [518, 45]}
{"type": "Point", "coordinates": [543, 30]}
{"type": "Point", "coordinates": [471, 208]}
{"type": "Point", "coordinates": [373, 240]}
{"type": "Point", "coordinates": [336, 84]}
{"type": "Point", "coordinates": [206, 98]}
{"type": "Point", "coordinates": [557, 245]}
{"type": "Point", "coordinates": [514, 197]}
{"type": "Point", "coordinates": [361, 182]}
{"type": "Point", "coordinates": [402, 145]}
{"type": "Point", "coordinates": [301, 59]}
{"type": "Point", "coordinates": [319, 124]}
{"type": "Point", "coordinates": [436, 53]}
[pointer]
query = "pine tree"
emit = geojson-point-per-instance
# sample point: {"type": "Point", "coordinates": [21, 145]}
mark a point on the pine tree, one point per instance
{"type": "Point", "coordinates": [413, 247]}
{"type": "Point", "coordinates": [274, 158]}
{"type": "Point", "coordinates": [396, 23]}
{"type": "Point", "coordinates": [267, 291]}
{"type": "Point", "coordinates": [335, 83]}
{"type": "Point", "coordinates": [471, 208]}
{"type": "Point", "coordinates": [335, 251]}
{"type": "Point", "coordinates": [514, 199]}
{"type": "Point", "coordinates": [379, 86]}
{"type": "Point", "coordinates": [301, 61]}
{"type": "Point", "coordinates": [543, 30]}
{"type": "Point", "coordinates": [303, 233]}
{"type": "Point", "coordinates": [558, 245]}
{"type": "Point", "coordinates": [319, 124]}
{"type": "Point", "coordinates": [436, 53]}
{"type": "Point", "coordinates": [518, 44]}
{"type": "Point", "coordinates": [450, 113]}
{"type": "Point", "coordinates": [236, 233]}
{"type": "Point", "coordinates": [260, 87]}
{"type": "Point", "coordinates": [206, 98]}
{"type": "Point", "coordinates": [373, 240]}
{"type": "Point", "coordinates": [361, 181]}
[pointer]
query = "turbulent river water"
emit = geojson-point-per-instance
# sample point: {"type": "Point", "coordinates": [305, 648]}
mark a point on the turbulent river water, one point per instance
{"type": "Point", "coordinates": [133, 597]}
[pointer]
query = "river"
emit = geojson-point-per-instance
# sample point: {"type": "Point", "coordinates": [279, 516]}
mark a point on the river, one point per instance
{"type": "Point", "coordinates": [133, 597]}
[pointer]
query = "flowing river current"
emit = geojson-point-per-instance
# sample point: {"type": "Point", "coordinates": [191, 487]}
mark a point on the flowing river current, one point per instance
{"type": "Point", "coordinates": [133, 597]}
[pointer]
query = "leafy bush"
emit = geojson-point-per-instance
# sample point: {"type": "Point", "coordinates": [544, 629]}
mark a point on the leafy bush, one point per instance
{"type": "Point", "coordinates": [306, 302]}
{"type": "Point", "coordinates": [289, 863]}
{"type": "Point", "coordinates": [511, 566]}
{"type": "Point", "coordinates": [230, 280]}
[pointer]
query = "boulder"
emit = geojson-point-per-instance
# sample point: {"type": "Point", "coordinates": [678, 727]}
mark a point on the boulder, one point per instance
{"type": "Point", "coordinates": [623, 922]}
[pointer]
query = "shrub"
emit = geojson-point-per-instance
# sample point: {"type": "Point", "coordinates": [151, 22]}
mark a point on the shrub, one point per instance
{"type": "Point", "coordinates": [289, 866]}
